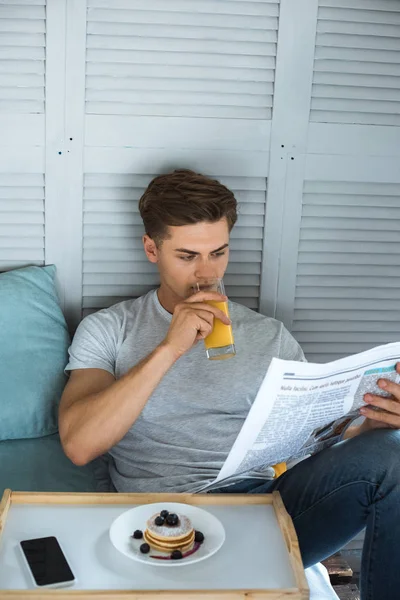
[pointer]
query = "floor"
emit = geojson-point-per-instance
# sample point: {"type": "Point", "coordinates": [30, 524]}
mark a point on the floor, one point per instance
{"type": "Point", "coordinates": [344, 573]}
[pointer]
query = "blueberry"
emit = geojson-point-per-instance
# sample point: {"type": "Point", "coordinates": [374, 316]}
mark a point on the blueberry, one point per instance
{"type": "Point", "coordinates": [172, 520]}
{"type": "Point", "coordinates": [164, 514]}
{"type": "Point", "coordinates": [159, 521]}
{"type": "Point", "coordinates": [198, 537]}
{"type": "Point", "coordinates": [137, 534]}
{"type": "Point", "coordinates": [176, 554]}
{"type": "Point", "coordinates": [144, 548]}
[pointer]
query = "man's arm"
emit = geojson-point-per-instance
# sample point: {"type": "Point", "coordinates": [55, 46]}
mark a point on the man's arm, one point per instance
{"type": "Point", "coordinates": [96, 411]}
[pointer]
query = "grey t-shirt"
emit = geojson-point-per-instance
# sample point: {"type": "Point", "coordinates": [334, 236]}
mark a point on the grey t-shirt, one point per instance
{"type": "Point", "coordinates": [190, 422]}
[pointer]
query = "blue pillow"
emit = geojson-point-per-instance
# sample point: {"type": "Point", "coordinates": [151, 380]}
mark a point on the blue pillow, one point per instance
{"type": "Point", "coordinates": [34, 344]}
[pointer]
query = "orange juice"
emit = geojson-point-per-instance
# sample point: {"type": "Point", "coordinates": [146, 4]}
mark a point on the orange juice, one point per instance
{"type": "Point", "coordinates": [221, 335]}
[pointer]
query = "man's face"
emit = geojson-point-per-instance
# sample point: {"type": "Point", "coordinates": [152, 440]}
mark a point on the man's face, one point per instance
{"type": "Point", "coordinates": [190, 253]}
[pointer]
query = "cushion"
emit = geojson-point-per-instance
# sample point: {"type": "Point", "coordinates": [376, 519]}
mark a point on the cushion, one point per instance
{"type": "Point", "coordinates": [34, 342]}
{"type": "Point", "coordinates": [40, 465]}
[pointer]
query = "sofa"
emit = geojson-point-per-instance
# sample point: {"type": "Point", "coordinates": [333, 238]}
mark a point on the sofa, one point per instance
{"type": "Point", "coordinates": [40, 465]}
{"type": "Point", "coordinates": [34, 343]}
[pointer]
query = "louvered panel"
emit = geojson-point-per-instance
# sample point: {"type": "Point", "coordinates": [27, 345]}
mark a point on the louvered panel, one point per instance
{"type": "Point", "coordinates": [201, 59]}
{"type": "Point", "coordinates": [114, 264]}
{"type": "Point", "coordinates": [21, 220]}
{"type": "Point", "coordinates": [348, 280]}
{"type": "Point", "coordinates": [22, 56]}
{"type": "Point", "coordinates": [357, 63]}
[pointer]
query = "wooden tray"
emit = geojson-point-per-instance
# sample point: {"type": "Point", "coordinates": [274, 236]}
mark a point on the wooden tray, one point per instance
{"type": "Point", "coordinates": [31, 501]}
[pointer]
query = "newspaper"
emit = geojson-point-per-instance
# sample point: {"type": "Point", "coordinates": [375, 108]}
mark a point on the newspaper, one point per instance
{"type": "Point", "coordinates": [302, 408]}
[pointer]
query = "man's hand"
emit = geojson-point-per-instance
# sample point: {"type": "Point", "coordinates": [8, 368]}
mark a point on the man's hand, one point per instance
{"type": "Point", "coordinates": [389, 417]}
{"type": "Point", "coordinates": [193, 320]}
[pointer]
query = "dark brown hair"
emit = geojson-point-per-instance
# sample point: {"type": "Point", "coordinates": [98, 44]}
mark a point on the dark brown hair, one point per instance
{"type": "Point", "coordinates": [184, 197]}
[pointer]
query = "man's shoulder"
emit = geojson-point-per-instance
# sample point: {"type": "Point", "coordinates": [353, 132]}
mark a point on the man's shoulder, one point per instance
{"type": "Point", "coordinates": [246, 316]}
{"type": "Point", "coordinates": [270, 334]}
{"type": "Point", "coordinates": [118, 314]}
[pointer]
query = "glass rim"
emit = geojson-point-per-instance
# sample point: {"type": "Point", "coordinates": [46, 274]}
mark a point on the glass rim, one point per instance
{"type": "Point", "coordinates": [208, 282]}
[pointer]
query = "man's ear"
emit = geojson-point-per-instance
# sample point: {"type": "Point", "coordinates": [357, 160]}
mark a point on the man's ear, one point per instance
{"type": "Point", "coordinates": [150, 248]}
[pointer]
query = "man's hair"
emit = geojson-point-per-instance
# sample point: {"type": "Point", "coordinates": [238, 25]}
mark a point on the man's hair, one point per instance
{"type": "Point", "coordinates": [184, 197]}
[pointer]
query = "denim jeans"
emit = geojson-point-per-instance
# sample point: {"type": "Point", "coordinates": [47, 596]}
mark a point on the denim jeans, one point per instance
{"type": "Point", "coordinates": [334, 494]}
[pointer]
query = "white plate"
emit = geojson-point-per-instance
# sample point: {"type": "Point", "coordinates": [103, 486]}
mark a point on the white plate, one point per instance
{"type": "Point", "coordinates": [123, 527]}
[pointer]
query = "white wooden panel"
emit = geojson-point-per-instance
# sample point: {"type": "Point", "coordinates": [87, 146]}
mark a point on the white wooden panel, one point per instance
{"type": "Point", "coordinates": [361, 140]}
{"type": "Point", "coordinates": [173, 85]}
{"type": "Point", "coordinates": [126, 160]}
{"type": "Point", "coordinates": [357, 63]}
{"type": "Point", "coordinates": [22, 56]}
{"type": "Point", "coordinates": [21, 220]}
{"type": "Point", "coordinates": [175, 60]}
{"type": "Point", "coordinates": [74, 140]}
{"type": "Point", "coordinates": [22, 130]}
{"type": "Point", "coordinates": [56, 206]}
{"type": "Point", "coordinates": [22, 134]}
{"type": "Point", "coordinates": [295, 57]}
{"type": "Point", "coordinates": [379, 169]}
{"type": "Point", "coordinates": [22, 159]}
{"type": "Point", "coordinates": [177, 132]}
{"type": "Point", "coordinates": [114, 264]}
{"type": "Point", "coordinates": [348, 282]}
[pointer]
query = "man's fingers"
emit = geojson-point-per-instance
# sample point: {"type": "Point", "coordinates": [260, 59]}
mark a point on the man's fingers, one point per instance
{"type": "Point", "coordinates": [207, 297]}
{"type": "Point", "coordinates": [205, 315]}
{"type": "Point", "coordinates": [205, 326]}
{"type": "Point", "coordinates": [216, 312]}
{"type": "Point", "coordinates": [391, 406]}
{"type": "Point", "coordinates": [390, 387]}
{"type": "Point", "coordinates": [383, 417]}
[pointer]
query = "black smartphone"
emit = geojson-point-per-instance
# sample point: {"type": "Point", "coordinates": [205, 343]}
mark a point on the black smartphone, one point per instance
{"type": "Point", "coordinates": [47, 562]}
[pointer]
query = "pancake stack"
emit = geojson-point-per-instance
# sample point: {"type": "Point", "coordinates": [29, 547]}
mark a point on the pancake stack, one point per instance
{"type": "Point", "coordinates": [169, 532]}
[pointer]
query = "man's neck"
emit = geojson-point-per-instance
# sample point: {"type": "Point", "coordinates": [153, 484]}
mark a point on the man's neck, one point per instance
{"type": "Point", "coordinates": [167, 298]}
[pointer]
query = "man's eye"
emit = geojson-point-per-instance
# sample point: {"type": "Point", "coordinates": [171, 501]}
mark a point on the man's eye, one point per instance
{"type": "Point", "coordinates": [219, 254]}
{"type": "Point", "coordinates": [186, 258]}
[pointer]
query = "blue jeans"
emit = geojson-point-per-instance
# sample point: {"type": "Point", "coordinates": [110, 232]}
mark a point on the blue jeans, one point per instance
{"type": "Point", "coordinates": [334, 494]}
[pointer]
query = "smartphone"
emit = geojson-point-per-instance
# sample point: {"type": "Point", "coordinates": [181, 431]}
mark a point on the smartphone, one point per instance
{"type": "Point", "coordinates": [47, 562]}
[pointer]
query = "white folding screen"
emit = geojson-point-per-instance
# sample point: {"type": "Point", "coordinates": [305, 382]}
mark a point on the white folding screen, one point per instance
{"type": "Point", "coordinates": [173, 85]}
{"type": "Point", "coordinates": [181, 59]}
{"type": "Point", "coordinates": [33, 108]}
{"type": "Point", "coordinates": [22, 107]}
{"type": "Point", "coordinates": [357, 67]}
{"type": "Point", "coordinates": [115, 267]}
{"type": "Point", "coordinates": [339, 286]}
{"type": "Point", "coordinates": [294, 105]}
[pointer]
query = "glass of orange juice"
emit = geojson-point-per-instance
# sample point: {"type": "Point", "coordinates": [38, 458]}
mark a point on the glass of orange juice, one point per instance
{"type": "Point", "coordinates": [219, 343]}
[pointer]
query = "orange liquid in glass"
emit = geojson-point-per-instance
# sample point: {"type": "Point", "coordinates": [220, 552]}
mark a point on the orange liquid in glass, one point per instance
{"type": "Point", "coordinates": [221, 334]}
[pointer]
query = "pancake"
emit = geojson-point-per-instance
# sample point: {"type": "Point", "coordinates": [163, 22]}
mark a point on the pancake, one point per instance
{"type": "Point", "coordinates": [182, 544]}
{"type": "Point", "coordinates": [167, 538]}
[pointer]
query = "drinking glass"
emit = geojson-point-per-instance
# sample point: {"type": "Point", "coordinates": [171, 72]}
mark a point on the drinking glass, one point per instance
{"type": "Point", "coordinates": [219, 343]}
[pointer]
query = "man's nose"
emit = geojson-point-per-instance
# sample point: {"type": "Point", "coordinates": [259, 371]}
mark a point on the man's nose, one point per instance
{"type": "Point", "coordinates": [205, 270]}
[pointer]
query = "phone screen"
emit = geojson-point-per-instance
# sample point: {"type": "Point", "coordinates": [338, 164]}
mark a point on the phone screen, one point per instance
{"type": "Point", "coordinates": [47, 561]}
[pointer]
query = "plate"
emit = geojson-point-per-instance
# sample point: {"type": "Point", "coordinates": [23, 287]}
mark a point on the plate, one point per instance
{"type": "Point", "coordinates": [123, 527]}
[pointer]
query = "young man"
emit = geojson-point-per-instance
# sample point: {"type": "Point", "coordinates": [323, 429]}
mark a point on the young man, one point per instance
{"type": "Point", "coordinates": [142, 389]}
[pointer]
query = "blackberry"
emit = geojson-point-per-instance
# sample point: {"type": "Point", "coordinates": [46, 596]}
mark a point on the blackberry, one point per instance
{"type": "Point", "coordinates": [176, 555]}
{"type": "Point", "coordinates": [159, 521]}
{"type": "Point", "coordinates": [144, 548]}
{"type": "Point", "coordinates": [198, 537]}
{"type": "Point", "coordinates": [164, 514]}
{"type": "Point", "coordinates": [172, 520]}
{"type": "Point", "coordinates": [137, 534]}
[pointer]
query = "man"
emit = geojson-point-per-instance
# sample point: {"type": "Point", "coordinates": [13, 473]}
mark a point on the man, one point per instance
{"type": "Point", "coordinates": [142, 389]}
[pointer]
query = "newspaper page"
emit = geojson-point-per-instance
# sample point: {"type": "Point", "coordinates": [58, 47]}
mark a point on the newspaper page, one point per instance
{"type": "Point", "coordinates": [303, 407]}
